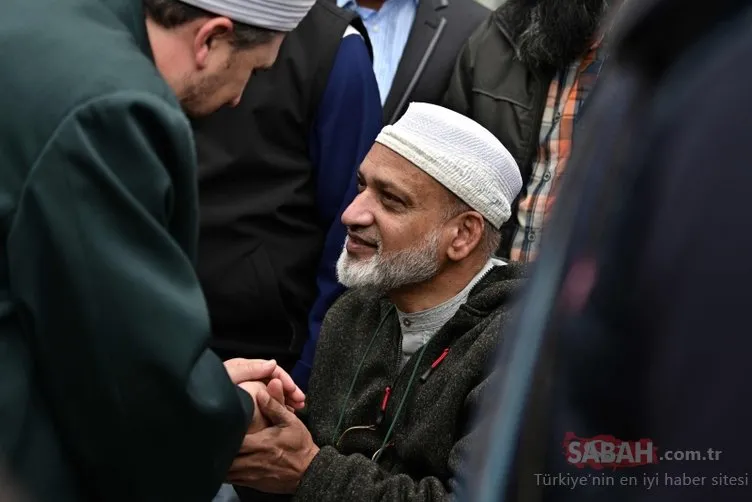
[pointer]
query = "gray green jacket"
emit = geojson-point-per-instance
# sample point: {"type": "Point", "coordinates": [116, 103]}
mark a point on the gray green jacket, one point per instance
{"type": "Point", "coordinates": [107, 388]}
{"type": "Point", "coordinates": [433, 428]}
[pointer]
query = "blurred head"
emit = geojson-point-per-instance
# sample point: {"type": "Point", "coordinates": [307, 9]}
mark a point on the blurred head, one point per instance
{"type": "Point", "coordinates": [206, 59]}
{"type": "Point", "coordinates": [408, 224]}
{"type": "Point", "coordinates": [553, 33]}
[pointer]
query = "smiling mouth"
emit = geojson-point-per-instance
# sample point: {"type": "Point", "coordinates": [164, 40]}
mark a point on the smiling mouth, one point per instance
{"type": "Point", "coordinates": [361, 242]}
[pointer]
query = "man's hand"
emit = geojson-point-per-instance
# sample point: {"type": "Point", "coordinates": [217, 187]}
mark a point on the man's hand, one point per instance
{"type": "Point", "coordinates": [274, 459]}
{"type": "Point", "coordinates": [252, 370]}
{"type": "Point", "coordinates": [259, 421]}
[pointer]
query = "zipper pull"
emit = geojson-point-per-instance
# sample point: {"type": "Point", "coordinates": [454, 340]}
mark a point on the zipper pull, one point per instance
{"type": "Point", "coordinates": [438, 361]}
{"type": "Point", "coordinates": [384, 402]}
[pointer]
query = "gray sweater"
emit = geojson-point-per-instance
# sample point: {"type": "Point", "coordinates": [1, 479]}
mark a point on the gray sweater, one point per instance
{"type": "Point", "coordinates": [432, 429]}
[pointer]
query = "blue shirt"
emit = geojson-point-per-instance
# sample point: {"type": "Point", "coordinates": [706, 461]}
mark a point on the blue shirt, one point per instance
{"type": "Point", "coordinates": [348, 120]}
{"type": "Point", "coordinates": [388, 29]}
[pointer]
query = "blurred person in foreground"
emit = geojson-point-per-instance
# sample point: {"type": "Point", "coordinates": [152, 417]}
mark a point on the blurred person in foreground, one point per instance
{"type": "Point", "coordinates": [403, 355]}
{"type": "Point", "coordinates": [108, 387]}
{"type": "Point", "coordinates": [643, 316]}
{"type": "Point", "coordinates": [525, 75]}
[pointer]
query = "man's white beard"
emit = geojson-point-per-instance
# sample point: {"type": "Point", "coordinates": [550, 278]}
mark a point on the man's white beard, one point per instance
{"type": "Point", "coordinates": [391, 271]}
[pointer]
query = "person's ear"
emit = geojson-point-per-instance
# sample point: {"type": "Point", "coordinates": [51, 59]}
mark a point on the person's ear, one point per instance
{"type": "Point", "coordinates": [466, 235]}
{"type": "Point", "coordinates": [212, 32]}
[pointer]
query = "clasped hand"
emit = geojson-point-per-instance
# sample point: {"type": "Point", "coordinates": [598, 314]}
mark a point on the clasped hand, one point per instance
{"type": "Point", "coordinates": [254, 375]}
{"type": "Point", "coordinates": [278, 448]}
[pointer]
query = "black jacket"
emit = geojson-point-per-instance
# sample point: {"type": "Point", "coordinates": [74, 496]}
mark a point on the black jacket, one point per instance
{"type": "Point", "coordinates": [439, 30]}
{"type": "Point", "coordinates": [261, 237]}
{"type": "Point", "coordinates": [491, 86]}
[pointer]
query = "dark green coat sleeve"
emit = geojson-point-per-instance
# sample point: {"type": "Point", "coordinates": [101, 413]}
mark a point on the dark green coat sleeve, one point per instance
{"type": "Point", "coordinates": [101, 266]}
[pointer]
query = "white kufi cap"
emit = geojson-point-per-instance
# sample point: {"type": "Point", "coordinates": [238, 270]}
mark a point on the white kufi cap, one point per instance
{"type": "Point", "coordinates": [460, 154]}
{"type": "Point", "coordinates": [279, 15]}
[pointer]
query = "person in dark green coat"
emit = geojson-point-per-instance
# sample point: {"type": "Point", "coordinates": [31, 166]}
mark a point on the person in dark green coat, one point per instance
{"type": "Point", "coordinates": [107, 388]}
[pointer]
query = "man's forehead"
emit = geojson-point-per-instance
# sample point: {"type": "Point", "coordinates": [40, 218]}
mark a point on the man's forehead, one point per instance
{"type": "Point", "coordinates": [384, 164]}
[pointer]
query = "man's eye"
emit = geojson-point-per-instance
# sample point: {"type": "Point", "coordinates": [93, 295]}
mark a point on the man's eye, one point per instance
{"type": "Point", "coordinates": [392, 198]}
{"type": "Point", "coordinates": [361, 186]}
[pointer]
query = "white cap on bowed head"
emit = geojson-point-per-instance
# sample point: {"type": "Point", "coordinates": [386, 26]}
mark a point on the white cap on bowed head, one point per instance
{"type": "Point", "coordinates": [278, 15]}
{"type": "Point", "coordinates": [460, 154]}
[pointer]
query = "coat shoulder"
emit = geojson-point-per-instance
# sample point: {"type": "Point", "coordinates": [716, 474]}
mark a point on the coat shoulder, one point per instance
{"type": "Point", "coordinates": [57, 67]}
{"type": "Point", "coordinates": [488, 34]}
{"type": "Point", "coordinates": [59, 73]}
{"type": "Point", "coordinates": [464, 17]}
{"type": "Point", "coordinates": [469, 11]}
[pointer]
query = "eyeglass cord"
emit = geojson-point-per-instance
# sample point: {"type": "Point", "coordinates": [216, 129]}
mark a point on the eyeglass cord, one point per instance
{"type": "Point", "coordinates": [355, 379]}
{"type": "Point", "coordinates": [402, 403]}
{"type": "Point", "coordinates": [357, 372]}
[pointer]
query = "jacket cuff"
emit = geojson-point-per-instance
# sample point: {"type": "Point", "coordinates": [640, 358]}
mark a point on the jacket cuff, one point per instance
{"type": "Point", "coordinates": [249, 407]}
{"type": "Point", "coordinates": [315, 480]}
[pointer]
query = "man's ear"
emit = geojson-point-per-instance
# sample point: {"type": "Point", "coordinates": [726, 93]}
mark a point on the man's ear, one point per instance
{"type": "Point", "coordinates": [467, 235]}
{"type": "Point", "coordinates": [209, 32]}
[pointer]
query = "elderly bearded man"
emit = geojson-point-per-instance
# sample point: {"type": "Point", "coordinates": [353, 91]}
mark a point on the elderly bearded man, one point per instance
{"type": "Point", "coordinates": [402, 357]}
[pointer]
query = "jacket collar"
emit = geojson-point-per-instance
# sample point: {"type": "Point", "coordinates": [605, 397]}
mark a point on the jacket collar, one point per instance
{"type": "Point", "coordinates": [495, 289]}
{"type": "Point", "coordinates": [131, 14]}
{"type": "Point", "coordinates": [499, 288]}
{"type": "Point", "coordinates": [502, 23]}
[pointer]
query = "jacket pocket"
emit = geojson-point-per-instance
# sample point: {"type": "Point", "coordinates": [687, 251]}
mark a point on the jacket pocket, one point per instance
{"type": "Point", "coordinates": [510, 120]}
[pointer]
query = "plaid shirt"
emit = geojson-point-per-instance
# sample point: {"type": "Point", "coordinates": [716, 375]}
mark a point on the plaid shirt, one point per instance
{"type": "Point", "coordinates": [569, 90]}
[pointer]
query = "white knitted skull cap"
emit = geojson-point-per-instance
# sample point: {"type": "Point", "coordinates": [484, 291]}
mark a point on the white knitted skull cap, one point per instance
{"type": "Point", "coordinates": [460, 154]}
{"type": "Point", "coordinates": [279, 15]}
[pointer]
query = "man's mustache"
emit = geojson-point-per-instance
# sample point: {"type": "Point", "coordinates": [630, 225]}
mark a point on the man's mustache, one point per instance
{"type": "Point", "coordinates": [364, 238]}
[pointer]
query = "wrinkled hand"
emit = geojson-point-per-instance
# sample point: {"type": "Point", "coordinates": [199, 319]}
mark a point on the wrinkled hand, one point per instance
{"type": "Point", "coordinates": [252, 370]}
{"type": "Point", "coordinates": [274, 459]}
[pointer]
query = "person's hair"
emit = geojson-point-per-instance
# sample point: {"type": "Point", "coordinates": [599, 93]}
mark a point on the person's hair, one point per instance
{"type": "Point", "coordinates": [491, 238]}
{"type": "Point", "coordinates": [174, 13]}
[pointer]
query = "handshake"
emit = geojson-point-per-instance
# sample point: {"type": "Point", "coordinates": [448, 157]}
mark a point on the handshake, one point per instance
{"type": "Point", "coordinates": [261, 380]}
{"type": "Point", "coordinates": [277, 448]}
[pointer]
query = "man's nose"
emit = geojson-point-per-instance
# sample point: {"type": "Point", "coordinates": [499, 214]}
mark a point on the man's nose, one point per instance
{"type": "Point", "coordinates": [358, 213]}
{"type": "Point", "coordinates": [235, 102]}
